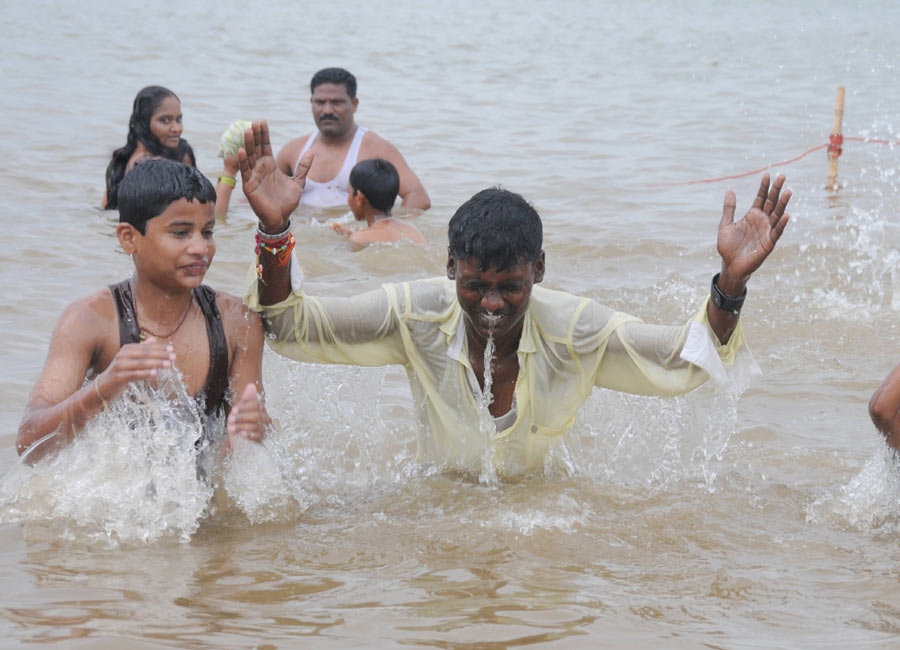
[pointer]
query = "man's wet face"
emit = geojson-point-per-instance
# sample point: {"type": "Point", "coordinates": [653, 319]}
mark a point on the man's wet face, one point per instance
{"type": "Point", "coordinates": [494, 302]}
{"type": "Point", "coordinates": [333, 109]}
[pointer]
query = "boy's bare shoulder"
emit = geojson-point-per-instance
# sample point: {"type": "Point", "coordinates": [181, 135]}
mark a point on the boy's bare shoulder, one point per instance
{"type": "Point", "coordinates": [93, 309]}
{"type": "Point", "coordinates": [88, 320]}
{"type": "Point", "coordinates": [243, 327]}
{"type": "Point", "coordinates": [235, 314]}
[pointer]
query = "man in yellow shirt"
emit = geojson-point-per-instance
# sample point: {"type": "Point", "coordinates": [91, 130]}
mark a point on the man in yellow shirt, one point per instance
{"type": "Point", "coordinates": [497, 365]}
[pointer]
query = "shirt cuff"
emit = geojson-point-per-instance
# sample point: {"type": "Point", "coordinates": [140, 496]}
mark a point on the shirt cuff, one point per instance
{"type": "Point", "coordinates": [729, 364]}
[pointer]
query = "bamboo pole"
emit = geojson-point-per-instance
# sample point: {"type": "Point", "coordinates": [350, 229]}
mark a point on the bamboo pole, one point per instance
{"type": "Point", "coordinates": [836, 139]}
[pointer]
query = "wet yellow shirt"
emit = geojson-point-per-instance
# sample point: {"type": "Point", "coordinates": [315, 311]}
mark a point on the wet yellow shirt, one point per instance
{"type": "Point", "coordinates": [569, 345]}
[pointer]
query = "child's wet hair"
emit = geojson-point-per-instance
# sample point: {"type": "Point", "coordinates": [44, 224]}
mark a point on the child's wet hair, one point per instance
{"type": "Point", "coordinates": [152, 186]}
{"type": "Point", "coordinates": [378, 180]}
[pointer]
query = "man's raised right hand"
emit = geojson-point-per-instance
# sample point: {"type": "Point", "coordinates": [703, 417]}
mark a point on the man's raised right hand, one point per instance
{"type": "Point", "coordinates": [272, 194]}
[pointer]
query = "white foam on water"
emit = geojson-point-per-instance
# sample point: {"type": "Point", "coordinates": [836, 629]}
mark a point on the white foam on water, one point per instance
{"type": "Point", "coordinates": [565, 515]}
{"type": "Point", "coordinates": [871, 500]}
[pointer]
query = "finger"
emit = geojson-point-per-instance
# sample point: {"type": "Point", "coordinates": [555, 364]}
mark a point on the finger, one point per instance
{"type": "Point", "coordinates": [248, 428]}
{"type": "Point", "coordinates": [257, 140]}
{"type": "Point", "coordinates": [253, 435]}
{"type": "Point", "coordinates": [248, 395]}
{"type": "Point", "coordinates": [231, 423]}
{"type": "Point", "coordinates": [244, 164]}
{"type": "Point", "coordinates": [265, 144]}
{"type": "Point", "coordinates": [248, 150]}
{"type": "Point", "coordinates": [249, 418]}
{"type": "Point", "coordinates": [250, 144]}
{"type": "Point", "coordinates": [151, 344]}
{"type": "Point", "coordinates": [133, 364]}
{"type": "Point", "coordinates": [772, 198]}
{"type": "Point", "coordinates": [303, 168]}
{"type": "Point", "coordinates": [782, 205]}
{"type": "Point", "coordinates": [122, 378]}
{"type": "Point", "coordinates": [153, 356]}
{"type": "Point", "coordinates": [779, 226]}
{"type": "Point", "coordinates": [728, 209]}
{"type": "Point", "coordinates": [242, 410]}
{"type": "Point", "coordinates": [245, 426]}
{"type": "Point", "coordinates": [763, 192]}
{"type": "Point", "coordinates": [153, 351]}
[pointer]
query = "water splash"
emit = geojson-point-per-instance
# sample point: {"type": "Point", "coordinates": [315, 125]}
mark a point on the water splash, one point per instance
{"type": "Point", "coordinates": [651, 442]}
{"type": "Point", "coordinates": [871, 500]}
{"type": "Point", "coordinates": [256, 483]}
{"type": "Point", "coordinates": [131, 475]}
{"type": "Point", "coordinates": [849, 245]}
{"type": "Point", "coordinates": [135, 473]}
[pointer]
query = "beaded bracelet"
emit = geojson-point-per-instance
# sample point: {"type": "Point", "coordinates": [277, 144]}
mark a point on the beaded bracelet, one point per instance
{"type": "Point", "coordinates": [274, 247]}
{"type": "Point", "coordinates": [281, 250]}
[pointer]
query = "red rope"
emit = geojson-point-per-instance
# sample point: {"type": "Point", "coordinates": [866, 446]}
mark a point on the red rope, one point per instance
{"type": "Point", "coordinates": [835, 141]}
{"type": "Point", "coordinates": [858, 139]}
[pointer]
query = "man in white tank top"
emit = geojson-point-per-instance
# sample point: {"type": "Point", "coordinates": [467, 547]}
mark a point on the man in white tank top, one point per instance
{"type": "Point", "coordinates": [339, 143]}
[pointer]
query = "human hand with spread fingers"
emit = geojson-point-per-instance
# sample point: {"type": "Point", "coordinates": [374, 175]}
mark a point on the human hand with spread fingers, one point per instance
{"type": "Point", "coordinates": [744, 245]}
{"type": "Point", "coordinates": [272, 194]}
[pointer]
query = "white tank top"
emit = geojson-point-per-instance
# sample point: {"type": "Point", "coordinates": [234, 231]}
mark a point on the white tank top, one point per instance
{"type": "Point", "coordinates": [333, 192]}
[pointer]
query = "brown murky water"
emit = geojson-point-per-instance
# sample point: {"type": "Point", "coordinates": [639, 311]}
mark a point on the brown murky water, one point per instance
{"type": "Point", "coordinates": [768, 520]}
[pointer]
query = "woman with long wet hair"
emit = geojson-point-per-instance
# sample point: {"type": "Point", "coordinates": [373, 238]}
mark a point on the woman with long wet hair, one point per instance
{"type": "Point", "coordinates": [154, 131]}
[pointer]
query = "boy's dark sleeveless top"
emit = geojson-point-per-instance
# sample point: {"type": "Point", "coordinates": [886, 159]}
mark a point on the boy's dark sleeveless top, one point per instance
{"type": "Point", "coordinates": [217, 378]}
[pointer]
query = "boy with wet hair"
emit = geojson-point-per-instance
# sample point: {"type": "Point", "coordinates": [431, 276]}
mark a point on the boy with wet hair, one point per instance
{"type": "Point", "coordinates": [373, 189]}
{"type": "Point", "coordinates": [162, 316]}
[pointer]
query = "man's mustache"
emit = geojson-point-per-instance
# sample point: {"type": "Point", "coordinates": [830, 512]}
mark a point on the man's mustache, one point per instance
{"type": "Point", "coordinates": [328, 117]}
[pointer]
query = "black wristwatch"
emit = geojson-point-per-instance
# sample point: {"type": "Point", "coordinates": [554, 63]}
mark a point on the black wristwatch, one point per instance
{"type": "Point", "coordinates": [723, 301]}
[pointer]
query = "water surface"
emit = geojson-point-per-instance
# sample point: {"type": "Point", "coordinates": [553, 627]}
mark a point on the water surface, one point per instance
{"type": "Point", "coordinates": [765, 520]}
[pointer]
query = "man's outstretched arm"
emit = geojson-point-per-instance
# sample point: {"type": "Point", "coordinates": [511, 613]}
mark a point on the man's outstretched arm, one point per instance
{"type": "Point", "coordinates": [744, 246]}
